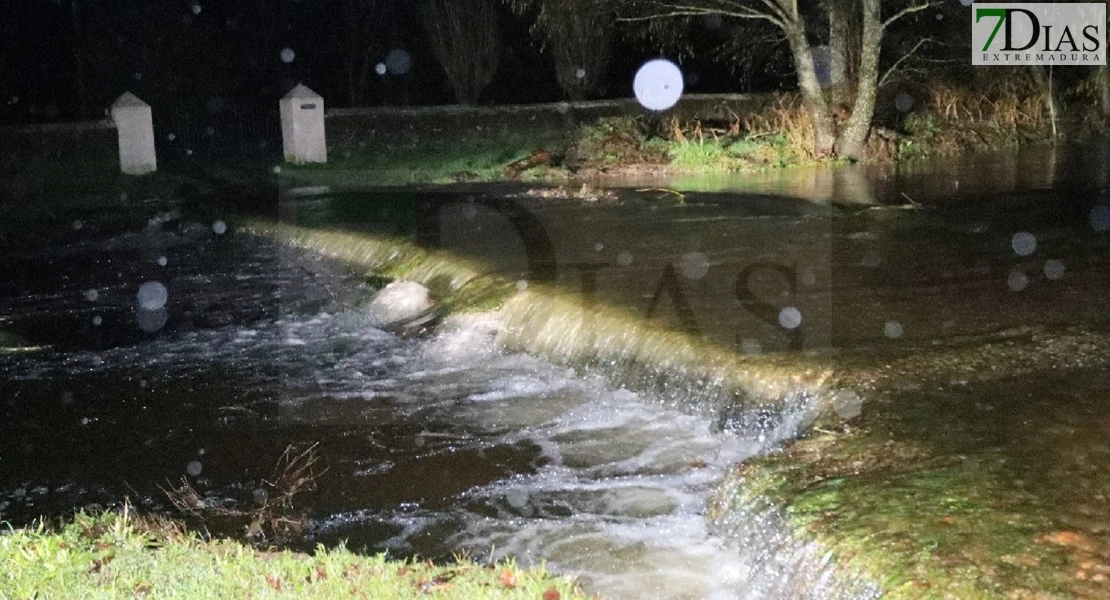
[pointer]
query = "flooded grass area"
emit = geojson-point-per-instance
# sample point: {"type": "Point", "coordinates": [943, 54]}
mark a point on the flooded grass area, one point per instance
{"type": "Point", "coordinates": [735, 395]}
{"type": "Point", "coordinates": [960, 479]}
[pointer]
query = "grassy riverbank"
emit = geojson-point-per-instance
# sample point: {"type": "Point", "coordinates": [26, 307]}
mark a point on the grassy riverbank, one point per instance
{"type": "Point", "coordinates": [957, 481]}
{"type": "Point", "coordinates": [558, 143]}
{"type": "Point", "coordinates": [124, 556]}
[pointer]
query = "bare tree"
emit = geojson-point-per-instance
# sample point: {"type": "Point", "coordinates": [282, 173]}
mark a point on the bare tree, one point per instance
{"type": "Point", "coordinates": [853, 24]}
{"type": "Point", "coordinates": [578, 35]}
{"type": "Point", "coordinates": [467, 42]}
{"type": "Point", "coordinates": [362, 25]}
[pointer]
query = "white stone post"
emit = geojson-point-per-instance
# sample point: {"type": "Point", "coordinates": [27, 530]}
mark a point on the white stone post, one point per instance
{"type": "Point", "coordinates": [135, 128]}
{"type": "Point", "coordinates": [302, 126]}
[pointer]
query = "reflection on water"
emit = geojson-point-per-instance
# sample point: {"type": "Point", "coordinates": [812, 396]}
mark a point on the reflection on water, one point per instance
{"type": "Point", "coordinates": [450, 443]}
{"type": "Point", "coordinates": [432, 447]}
{"type": "Point", "coordinates": [965, 177]}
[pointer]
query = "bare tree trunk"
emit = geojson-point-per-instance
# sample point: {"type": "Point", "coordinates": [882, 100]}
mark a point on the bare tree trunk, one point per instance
{"type": "Point", "coordinates": [844, 41]}
{"type": "Point", "coordinates": [824, 130]}
{"type": "Point", "coordinates": [1042, 76]}
{"type": "Point", "coordinates": [853, 137]}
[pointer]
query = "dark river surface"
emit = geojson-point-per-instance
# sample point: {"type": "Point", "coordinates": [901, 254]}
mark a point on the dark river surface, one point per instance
{"type": "Point", "coordinates": [448, 443]}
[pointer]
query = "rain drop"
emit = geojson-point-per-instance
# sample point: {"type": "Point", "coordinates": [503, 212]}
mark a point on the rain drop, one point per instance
{"type": "Point", "coordinates": [847, 404]}
{"type": "Point", "coordinates": [624, 259]}
{"type": "Point", "coordinates": [694, 265]}
{"type": "Point", "coordinates": [580, 73]}
{"type": "Point", "coordinates": [903, 102]}
{"type": "Point", "coordinates": [658, 84]}
{"type": "Point", "coordinates": [97, 320]}
{"type": "Point", "coordinates": [790, 318]}
{"type": "Point", "coordinates": [151, 321]}
{"type": "Point", "coordinates": [152, 295]}
{"type": "Point", "coordinates": [893, 330]}
{"type": "Point", "coordinates": [194, 468]}
{"type": "Point", "coordinates": [162, 261]}
{"type": "Point", "coordinates": [78, 224]}
{"type": "Point", "coordinates": [398, 62]}
{"type": "Point", "coordinates": [67, 397]}
{"type": "Point", "coordinates": [521, 285]}
{"type": "Point", "coordinates": [260, 496]}
{"type": "Point", "coordinates": [1100, 218]}
{"type": "Point", "coordinates": [287, 55]}
{"type": "Point", "coordinates": [828, 64]}
{"type": "Point", "coordinates": [1024, 243]}
{"type": "Point", "coordinates": [196, 8]}
{"type": "Point", "coordinates": [1017, 281]}
{"type": "Point", "coordinates": [598, 247]}
{"type": "Point", "coordinates": [381, 69]}
{"type": "Point", "coordinates": [91, 295]}
{"type": "Point", "coordinates": [276, 169]}
{"type": "Point", "coordinates": [171, 136]}
{"type": "Point", "coordinates": [219, 228]}
{"type": "Point", "coordinates": [1053, 269]}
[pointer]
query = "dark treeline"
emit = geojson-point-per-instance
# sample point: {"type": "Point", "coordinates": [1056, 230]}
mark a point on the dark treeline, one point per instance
{"type": "Point", "coordinates": [67, 59]}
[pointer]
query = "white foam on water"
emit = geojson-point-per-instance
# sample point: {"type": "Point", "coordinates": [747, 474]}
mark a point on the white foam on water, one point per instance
{"type": "Point", "coordinates": [621, 503]}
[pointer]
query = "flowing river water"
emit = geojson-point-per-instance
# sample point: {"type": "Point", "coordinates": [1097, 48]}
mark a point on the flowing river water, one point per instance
{"type": "Point", "coordinates": [451, 443]}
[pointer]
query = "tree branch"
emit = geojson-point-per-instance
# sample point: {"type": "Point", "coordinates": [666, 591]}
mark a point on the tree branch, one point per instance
{"type": "Point", "coordinates": [897, 63]}
{"type": "Point", "coordinates": [909, 10]}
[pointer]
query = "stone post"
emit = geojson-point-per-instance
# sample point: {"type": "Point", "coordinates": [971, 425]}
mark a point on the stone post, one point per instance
{"type": "Point", "coordinates": [135, 128]}
{"type": "Point", "coordinates": [302, 126]}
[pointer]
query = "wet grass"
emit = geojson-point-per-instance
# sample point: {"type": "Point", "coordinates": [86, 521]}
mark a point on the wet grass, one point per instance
{"type": "Point", "coordinates": [961, 481]}
{"type": "Point", "coordinates": [479, 150]}
{"type": "Point", "coordinates": [124, 556]}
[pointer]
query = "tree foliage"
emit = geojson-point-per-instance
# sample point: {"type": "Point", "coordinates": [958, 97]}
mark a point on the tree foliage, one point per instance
{"type": "Point", "coordinates": [578, 34]}
{"type": "Point", "coordinates": [467, 42]}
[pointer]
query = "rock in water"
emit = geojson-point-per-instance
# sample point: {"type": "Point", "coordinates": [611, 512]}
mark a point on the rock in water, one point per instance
{"type": "Point", "coordinates": [400, 305]}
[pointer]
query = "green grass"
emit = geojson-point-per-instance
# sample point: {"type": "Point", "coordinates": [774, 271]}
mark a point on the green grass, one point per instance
{"type": "Point", "coordinates": [991, 488]}
{"type": "Point", "coordinates": [122, 556]}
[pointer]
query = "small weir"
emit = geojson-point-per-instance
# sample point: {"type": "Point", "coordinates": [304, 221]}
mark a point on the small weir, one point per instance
{"type": "Point", "coordinates": [599, 463]}
{"type": "Point", "coordinates": [599, 416]}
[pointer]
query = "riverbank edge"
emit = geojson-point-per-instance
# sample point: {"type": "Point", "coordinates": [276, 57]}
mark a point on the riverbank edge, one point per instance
{"type": "Point", "coordinates": [121, 555]}
{"type": "Point", "coordinates": [799, 485]}
{"type": "Point", "coordinates": [692, 375]}
{"type": "Point", "coordinates": [925, 522]}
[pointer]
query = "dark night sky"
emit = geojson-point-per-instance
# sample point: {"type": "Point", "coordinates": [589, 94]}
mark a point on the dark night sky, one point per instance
{"type": "Point", "coordinates": [66, 59]}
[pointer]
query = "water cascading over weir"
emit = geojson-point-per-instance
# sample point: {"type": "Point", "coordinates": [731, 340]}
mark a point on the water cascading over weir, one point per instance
{"type": "Point", "coordinates": [761, 400]}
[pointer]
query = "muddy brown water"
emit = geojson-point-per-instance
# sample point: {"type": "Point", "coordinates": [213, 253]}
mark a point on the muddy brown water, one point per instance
{"type": "Point", "coordinates": [444, 444]}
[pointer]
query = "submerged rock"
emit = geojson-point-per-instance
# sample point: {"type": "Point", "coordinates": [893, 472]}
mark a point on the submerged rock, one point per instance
{"type": "Point", "coordinates": [402, 306]}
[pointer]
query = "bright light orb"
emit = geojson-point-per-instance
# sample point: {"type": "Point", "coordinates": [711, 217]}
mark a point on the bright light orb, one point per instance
{"type": "Point", "coordinates": [790, 318]}
{"type": "Point", "coordinates": [658, 84]}
{"type": "Point", "coordinates": [152, 295]}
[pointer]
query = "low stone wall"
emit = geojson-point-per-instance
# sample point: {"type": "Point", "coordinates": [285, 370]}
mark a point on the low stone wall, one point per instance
{"type": "Point", "coordinates": [90, 143]}
{"type": "Point", "coordinates": [349, 128]}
